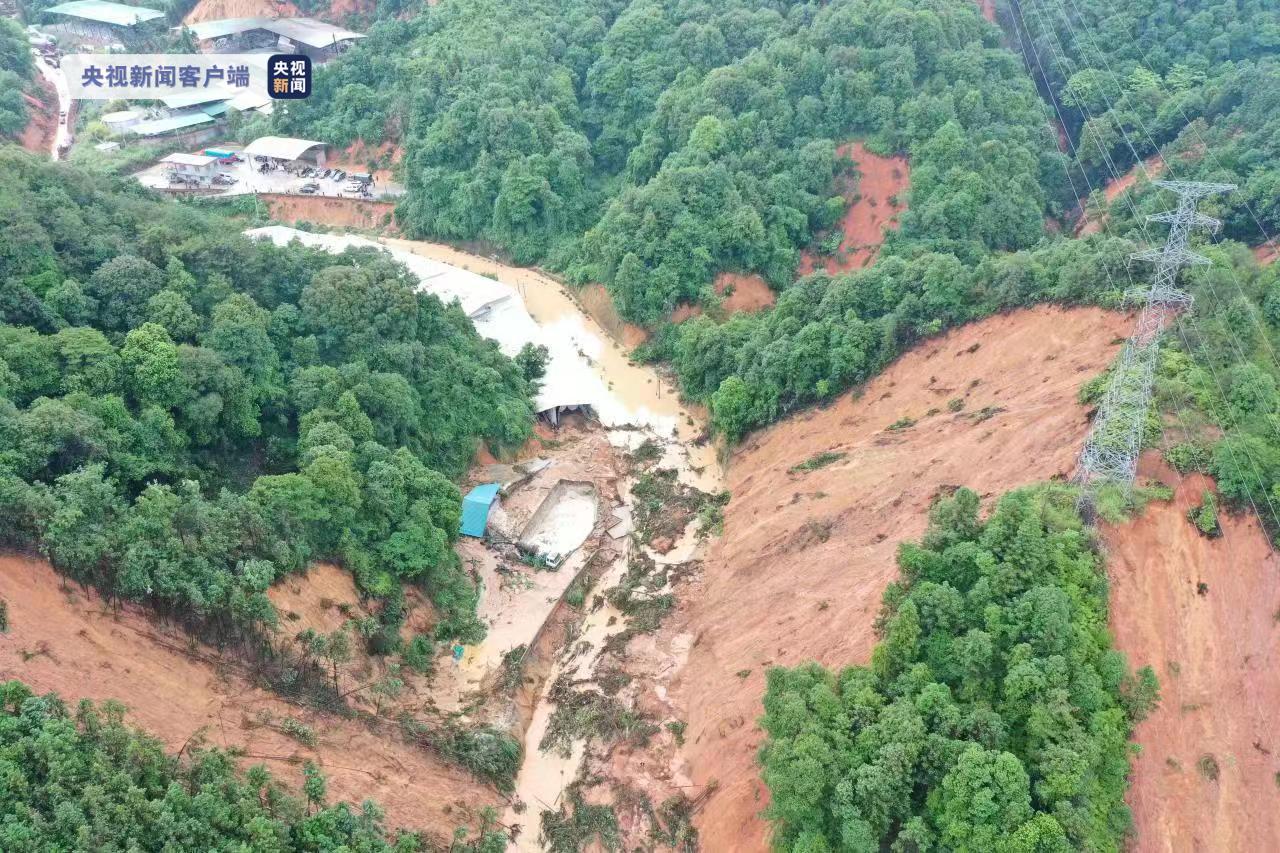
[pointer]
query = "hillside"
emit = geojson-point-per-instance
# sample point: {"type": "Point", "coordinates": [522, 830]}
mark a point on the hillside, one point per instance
{"type": "Point", "coordinates": [70, 641]}
{"type": "Point", "coordinates": [650, 146]}
{"type": "Point", "coordinates": [806, 555]}
{"type": "Point", "coordinates": [1206, 774]}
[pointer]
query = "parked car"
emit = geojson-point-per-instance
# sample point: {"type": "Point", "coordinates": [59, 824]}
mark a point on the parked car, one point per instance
{"type": "Point", "coordinates": [309, 188]}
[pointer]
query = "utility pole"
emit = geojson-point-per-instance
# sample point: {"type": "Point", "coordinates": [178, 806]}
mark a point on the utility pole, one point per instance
{"type": "Point", "coordinates": [1110, 454]}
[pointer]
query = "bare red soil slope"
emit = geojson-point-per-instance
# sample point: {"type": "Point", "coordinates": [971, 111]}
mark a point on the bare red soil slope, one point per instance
{"type": "Point", "coordinates": [799, 572]}
{"type": "Point", "coordinates": [71, 642]}
{"type": "Point", "coordinates": [216, 10]}
{"type": "Point", "coordinates": [42, 120]}
{"type": "Point", "coordinates": [1217, 658]}
{"type": "Point", "coordinates": [745, 292]}
{"type": "Point", "coordinates": [1152, 167]}
{"type": "Point", "coordinates": [338, 212]}
{"type": "Point", "coordinates": [873, 208]}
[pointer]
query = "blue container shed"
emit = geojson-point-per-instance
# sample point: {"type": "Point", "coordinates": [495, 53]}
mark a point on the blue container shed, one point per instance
{"type": "Point", "coordinates": [475, 509]}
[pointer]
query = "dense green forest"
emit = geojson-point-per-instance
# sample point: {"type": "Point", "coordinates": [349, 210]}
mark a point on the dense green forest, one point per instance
{"type": "Point", "coordinates": [994, 715]}
{"type": "Point", "coordinates": [83, 780]}
{"type": "Point", "coordinates": [186, 415]}
{"type": "Point", "coordinates": [1198, 82]}
{"type": "Point", "coordinates": [17, 70]}
{"type": "Point", "coordinates": [827, 333]}
{"type": "Point", "coordinates": [1198, 79]}
{"type": "Point", "coordinates": [650, 144]}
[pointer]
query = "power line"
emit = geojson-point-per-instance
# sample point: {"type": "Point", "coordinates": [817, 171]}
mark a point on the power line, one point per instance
{"type": "Point", "coordinates": [1060, 55]}
{"type": "Point", "coordinates": [1111, 449]}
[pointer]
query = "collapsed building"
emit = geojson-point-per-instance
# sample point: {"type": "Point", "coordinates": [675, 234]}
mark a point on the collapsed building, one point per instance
{"type": "Point", "coordinates": [498, 313]}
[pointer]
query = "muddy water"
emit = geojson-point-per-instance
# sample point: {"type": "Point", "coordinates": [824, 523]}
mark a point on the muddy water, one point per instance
{"type": "Point", "coordinates": [544, 776]}
{"type": "Point", "coordinates": [655, 415]}
{"type": "Point", "coordinates": [553, 308]}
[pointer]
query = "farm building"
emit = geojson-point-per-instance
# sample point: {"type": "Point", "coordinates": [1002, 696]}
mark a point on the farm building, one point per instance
{"type": "Point", "coordinates": [172, 125]}
{"type": "Point", "coordinates": [287, 150]}
{"type": "Point", "coordinates": [100, 19]}
{"type": "Point", "coordinates": [316, 39]}
{"type": "Point", "coordinates": [201, 167]}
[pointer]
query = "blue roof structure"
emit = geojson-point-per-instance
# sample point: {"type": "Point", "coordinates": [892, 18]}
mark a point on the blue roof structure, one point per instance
{"type": "Point", "coordinates": [475, 509]}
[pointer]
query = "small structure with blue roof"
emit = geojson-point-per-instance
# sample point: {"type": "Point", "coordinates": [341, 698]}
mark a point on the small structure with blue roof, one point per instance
{"type": "Point", "coordinates": [475, 509]}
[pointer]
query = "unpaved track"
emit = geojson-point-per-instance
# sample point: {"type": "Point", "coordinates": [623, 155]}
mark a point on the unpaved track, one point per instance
{"type": "Point", "coordinates": [1217, 657]}
{"type": "Point", "coordinates": [805, 558]}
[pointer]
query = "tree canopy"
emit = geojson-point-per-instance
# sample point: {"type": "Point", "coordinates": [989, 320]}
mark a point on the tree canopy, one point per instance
{"type": "Point", "coordinates": [1198, 80]}
{"type": "Point", "coordinates": [187, 415]}
{"type": "Point", "coordinates": [17, 71]}
{"type": "Point", "coordinates": [84, 780]}
{"type": "Point", "coordinates": [994, 715]}
{"type": "Point", "coordinates": [649, 145]}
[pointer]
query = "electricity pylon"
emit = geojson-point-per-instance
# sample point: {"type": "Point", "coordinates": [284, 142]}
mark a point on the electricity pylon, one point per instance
{"type": "Point", "coordinates": [1111, 450]}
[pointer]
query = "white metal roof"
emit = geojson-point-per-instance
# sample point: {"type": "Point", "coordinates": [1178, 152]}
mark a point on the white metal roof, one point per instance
{"type": "Point", "coordinates": [280, 147]}
{"type": "Point", "coordinates": [498, 313]}
{"type": "Point", "coordinates": [106, 13]}
{"type": "Point", "coordinates": [249, 101]}
{"type": "Point", "coordinates": [157, 127]}
{"type": "Point", "coordinates": [306, 31]}
{"type": "Point", "coordinates": [190, 159]}
{"type": "Point", "coordinates": [311, 32]}
{"type": "Point", "coordinates": [190, 99]}
{"type": "Point", "coordinates": [120, 116]}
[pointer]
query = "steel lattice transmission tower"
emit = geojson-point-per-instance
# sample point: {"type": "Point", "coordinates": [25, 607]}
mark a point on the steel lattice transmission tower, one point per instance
{"type": "Point", "coordinates": [1111, 450]}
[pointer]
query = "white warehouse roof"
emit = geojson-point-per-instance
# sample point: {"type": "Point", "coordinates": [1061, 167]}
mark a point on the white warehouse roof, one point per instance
{"type": "Point", "coordinates": [117, 14]}
{"type": "Point", "coordinates": [306, 31]}
{"type": "Point", "coordinates": [280, 147]}
{"type": "Point", "coordinates": [190, 159]}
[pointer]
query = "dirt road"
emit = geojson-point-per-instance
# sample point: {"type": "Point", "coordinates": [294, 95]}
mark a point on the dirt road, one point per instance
{"type": "Point", "coordinates": [62, 136]}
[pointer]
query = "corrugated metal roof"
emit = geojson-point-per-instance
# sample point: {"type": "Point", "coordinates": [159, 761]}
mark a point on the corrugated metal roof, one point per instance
{"type": "Point", "coordinates": [249, 101]}
{"type": "Point", "coordinates": [311, 32]}
{"type": "Point", "coordinates": [190, 99]}
{"type": "Point", "coordinates": [156, 127]}
{"type": "Point", "coordinates": [307, 31]}
{"type": "Point", "coordinates": [280, 147]}
{"type": "Point", "coordinates": [475, 509]}
{"type": "Point", "coordinates": [190, 159]}
{"type": "Point", "coordinates": [106, 13]}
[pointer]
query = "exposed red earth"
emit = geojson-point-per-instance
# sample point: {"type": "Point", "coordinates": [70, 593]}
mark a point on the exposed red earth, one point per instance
{"type": "Point", "coordinates": [799, 572]}
{"type": "Point", "coordinates": [1206, 776]}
